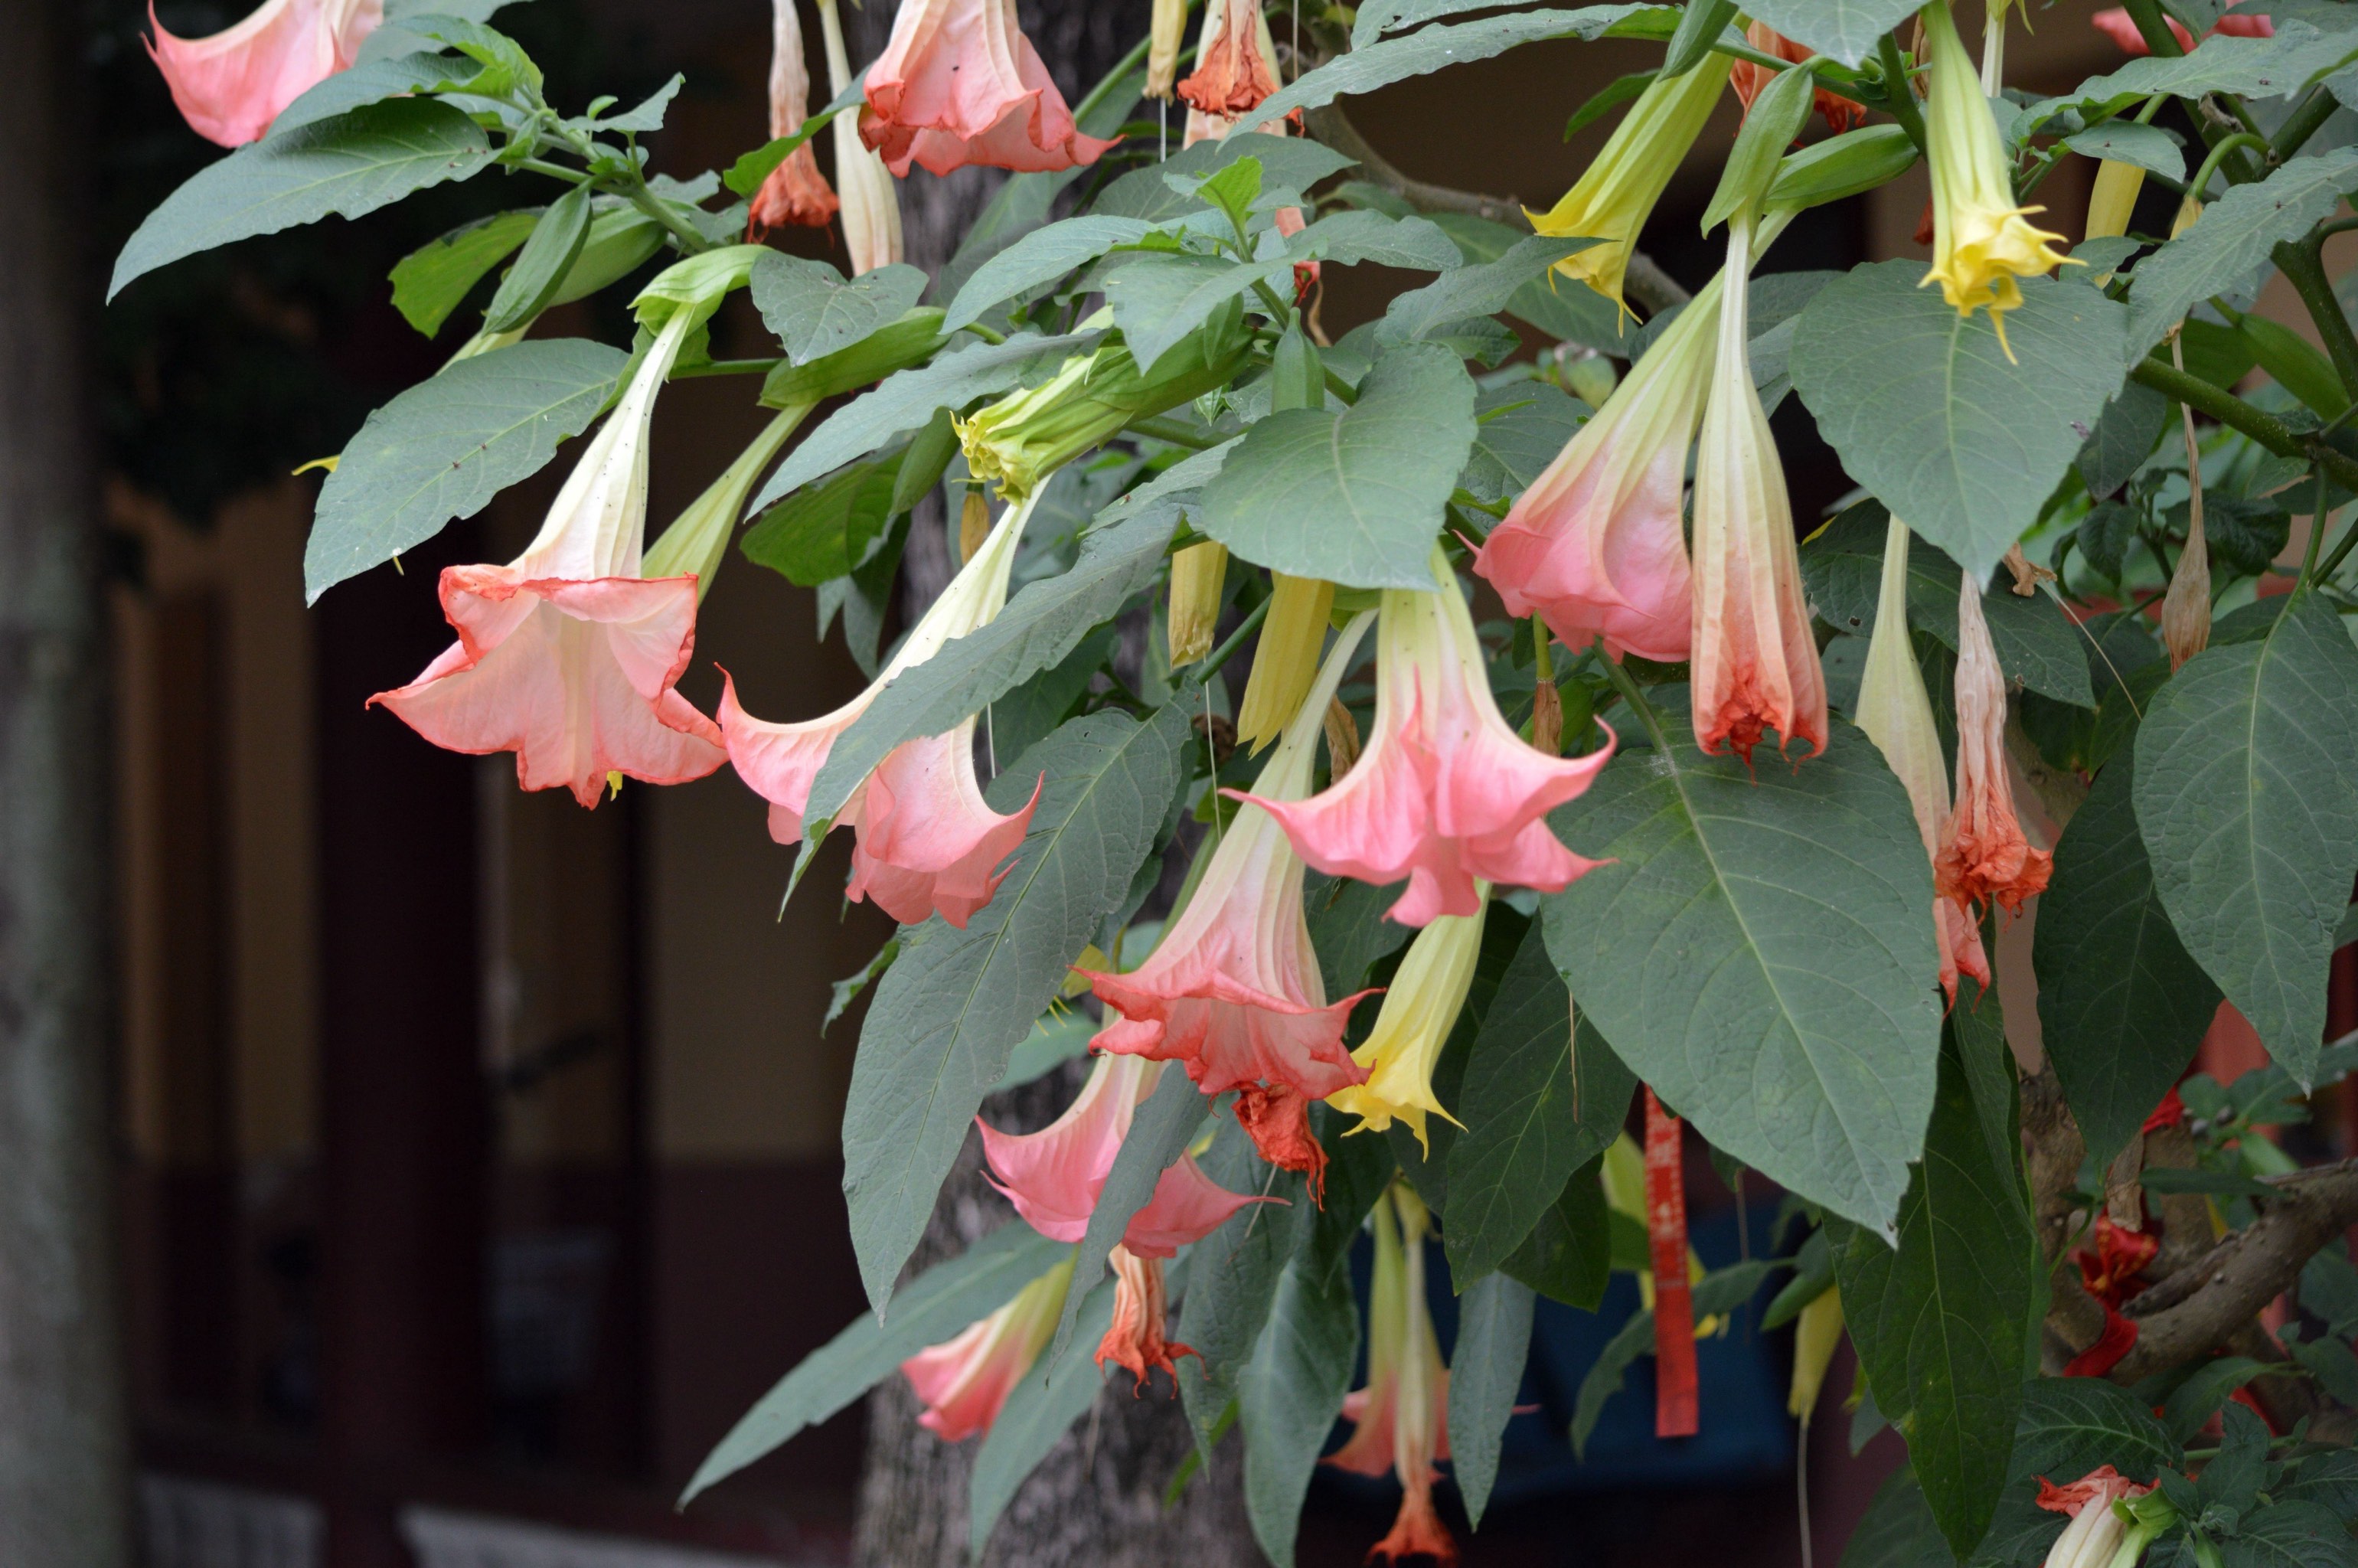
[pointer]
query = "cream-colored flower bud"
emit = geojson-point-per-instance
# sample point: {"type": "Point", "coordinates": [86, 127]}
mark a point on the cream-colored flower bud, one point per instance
{"type": "Point", "coordinates": [1286, 662]}
{"type": "Point", "coordinates": [871, 208]}
{"type": "Point", "coordinates": [1198, 573]}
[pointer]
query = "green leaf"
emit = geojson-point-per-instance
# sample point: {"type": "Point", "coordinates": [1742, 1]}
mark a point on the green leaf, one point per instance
{"type": "Point", "coordinates": [1348, 928]}
{"type": "Point", "coordinates": [350, 165]}
{"type": "Point", "coordinates": [747, 174]}
{"type": "Point", "coordinates": [1043, 622]}
{"type": "Point", "coordinates": [951, 1009]}
{"type": "Point", "coordinates": [909, 397]}
{"type": "Point", "coordinates": [433, 279]}
{"type": "Point", "coordinates": [1762, 952]}
{"type": "Point", "coordinates": [2234, 1473]}
{"type": "Point", "coordinates": [1168, 189]}
{"type": "Point", "coordinates": [824, 531]}
{"type": "Point", "coordinates": [1771, 123]}
{"type": "Point", "coordinates": [937, 1304]}
{"type": "Point", "coordinates": [1163, 296]}
{"type": "Point", "coordinates": [2288, 1535]}
{"type": "Point", "coordinates": [816, 313]}
{"type": "Point", "coordinates": [2037, 644]}
{"type": "Point", "coordinates": [1478, 289]}
{"type": "Point", "coordinates": [1161, 1132]}
{"type": "Point", "coordinates": [1494, 1336]}
{"type": "Point", "coordinates": [2121, 1004]}
{"type": "Point", "coordinates": [1232, 1278]}
{"type": "Point", "coordinates": [1570, 315]}
{"type": "Point", "coordinates": [1845, 29]}
{"type": "Point", "coordinates": [1531, 1117]}
{"type": "Point", "coordinates": [1350, 239]}
{"type": "Point", "coordinates": [1391, 59]}
{"type": "Point", "coordinates": [1721, 1291]}
{"type": "Point", "coordinates": [2328, 1479]}
{"type": "Point", "coordinates": [894, 346]}
{"type": "Point", "coordinates": [2121, 442]}
{"type": "Point", "coordinates": [1568, 1255]}
{"type": "Point", "coordinates": [2194, 1402]}
{"type": "Point", "coordinates": [2246, 792]}
{"type": "Point", "coordinates": [541, 268]}
{"type": "Point", "coordinates": [1037, 705]}
{"type": "Point", "coordinates": [1301, 1370]}
{"type": "Point", "coordinates": [2249, 68]}
{"type": "Point", "coordinates": [1899, 1530]}
{"type": "Point", "coordinates": [1040, 257]}
{"type": "Point", "coordinates": [2232, 241]}
{"type": "Point", "coordinates": [1378, 476]}
{"type": "Point", "coordinates": [2071, 1425]}
{"type": "Point", "coordinates": [1940, 1322]}
{"type": "Point", "coordinates": [1040, 1409]}
{"type": "Point", "coordinates": [371, 81]}
{"type": "Point", "coordinates": [648, 117]}
{"type": "Point", "coordinates": [1929, 413]}
{"type": "Point", "coordinates": [1518, 431]}
{"type": "Point", "coordinates": [2125, 141]}
{"type": "Point", "coordinates": [446, 446]}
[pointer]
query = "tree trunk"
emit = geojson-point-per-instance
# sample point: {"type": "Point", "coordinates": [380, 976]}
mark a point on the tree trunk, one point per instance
{"type": "Point", "coordinates": [64, 1444]}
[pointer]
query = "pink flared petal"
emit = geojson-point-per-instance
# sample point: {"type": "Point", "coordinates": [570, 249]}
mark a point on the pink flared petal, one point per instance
{"type": "Point", "coordinates": [960, 84]}
{"type": "Point", "coordinates": [964, 1382]}
{"type": "Point", "coordinates": [929, 844]}
{"type": "Point", "coordinates": [231, 85]}
{"type": "Point", "coordinates": [1188, 1206]}
{"type": "Point", "coordinates": [780, 761]}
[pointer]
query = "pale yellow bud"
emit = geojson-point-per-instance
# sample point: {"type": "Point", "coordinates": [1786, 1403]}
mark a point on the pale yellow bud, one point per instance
{"type": "Point", "coordinates": [1196, 574]}
{"type": "Point", "coordinates": [1816, 1337]}
{"type": "Point", "coordinates": [1169, 32]}
{"type": "Point", "coordinates": [2113, 198]}
{"type": "Point", "coordinates": [974, 524]}
{"type": "Point", "coordinates": [1286, 661]}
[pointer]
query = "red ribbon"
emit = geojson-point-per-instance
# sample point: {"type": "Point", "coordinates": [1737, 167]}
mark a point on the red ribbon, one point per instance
{"type": "Point", "coordinates": [1676, 1406]}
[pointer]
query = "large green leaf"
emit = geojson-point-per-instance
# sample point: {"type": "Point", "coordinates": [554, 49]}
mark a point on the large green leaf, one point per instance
{"type": "Point", "coordinates": [1377, 477]}
{"type": "Point", "coordinates": [2246, 794]}
{"type": "Point", "coordinates": [1760, 950]}
{"type": "Point", "coordinates": [446, 446]}
{"type": "Point", "coordinates": [1040, 1409]}
{"type": "Point", "coordinates": [1397, 59]}
{"type": "Point", "coordinates": [433, 279]}
{"type": "Point", "coordinates": [1039, 625]}
{"type": "Point", "coordinates": [1039, 257]}
{"type": "Point", "coordinates": [1573, 315]}
{"type": "Point", "coordinates": [938, 1304]}
{"type": "Point", "coordinates": [1159, 1134]}
{"type": "Point", "coordinates": [1163, 190]}
{"type": "Point", "coordinates": [1845, 29]}
{"type": "Point", "coordinates": [1568, 1256]}
{"type": "Point", "coordinates": [1533, 1114]}
{"type": "Point", "coordinates": [1301, 1370]}
{"type": "Point", "coordinates": [1928, 411]}
{"type": "Point", "coordinates": [816, 313]}
{"type": "Point", "coordinates": [909, 399]}
{"type": "Point", "coordinates": [349, 163]}
{"type": "Point", "coordinates": [2037, 644]}
{"type": "Point", "coordinates": [1493, 1337]}
{"type": "Point", "coordinates": [2121, 1004]}
{"type": "Point", "coordinates": [1163, 296]}
{"type": "Point", "coordinates": [951, 1010]}
{"type": "Point", "coordinates": [1521, 431]}
{"type": "Point", "coordinates": [1478, 289]}
{"type": "Point", "coordinates": [2290, 1535]}
{"type": "Point", "coordinates": [1899, 1530]}
{"type": "Point", "coordinates": [1348, 928]}
{"type": "Point", "coordinates": [2071, 1425]}
{"type": "Point", "coordinates": [2250, 68]}
{"type": "Point", "coordinates": [824, 530]}
{"type": "Point", "coordinates": [2232, 241]}
{"type": "Point", "coordinates": [1940, 1322]}
{"type": "Point", "coordinates": [1232, 1278]}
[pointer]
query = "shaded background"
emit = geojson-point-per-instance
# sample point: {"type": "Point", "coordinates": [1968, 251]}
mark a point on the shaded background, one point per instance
{"type": "Point", "coordinates": [478, 1154]}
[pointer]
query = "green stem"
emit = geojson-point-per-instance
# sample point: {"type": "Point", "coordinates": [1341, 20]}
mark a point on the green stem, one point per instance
{"type": "Point", "coordinates": [1158, 428]}
{"type": "Point", "coordinates": [1245, 628]}
{"type": "Point", "coordinates": [2332, 563]}
{"type": "Point", "coordinates": [2316, 522]}
{"type": "Point", "coordinates": [2217, 155]}
{"type": "Point", "coordinates": [1899, 98]}
{"type": "Point", "coordinates": [554, 170]}
{"type": "Point", "coordinates": [636, 193]}
{"type": "Point", "coordinates": [1636, 699]}
{"type": "Point", "coordinates": [726, 367]}
{"type": "Point", "coordinates": [2302, 124]}
{"type": "Point", "coordinates": [2303, 265]}
{"type": "Point", "coordinates": [2154, 29]}
{"type": "Point", "coordinates": [2234, 413]}
{"type": "Point", "coordinates": [985, 333]}
{"type": "Point", "coordinates": [1751, 56]}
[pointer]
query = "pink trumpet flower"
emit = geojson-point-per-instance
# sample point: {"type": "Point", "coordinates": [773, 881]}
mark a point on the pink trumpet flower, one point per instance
{"type": "Point", "coordinates": [963, 1382]}
{"type": "Point", "coordinates": [2096, 1532]}
{"type": "Point", "coordinates": [1402, 1415]}
{"type": "Point", "coordinates": [1054, 1177]}
{"type": "Point", "coordinates": [960, 84]}
{"type": "Point", "coordinates": [1445, 791]}
{"type": "Point", "coordinates": [2116, 25]}
{"type": "Point", "coordinates": [567, 656]}
{"type": "Point", "coordinates": [231, 84]}
{"type": "Point", "coordinates": [1233, 989]}
{"type": "Point", "coordinates": [928, 841]}
{"type": "Point", "coordinates": [794, 191]}
{"type": "Point", "coordinates": [1984, 855]}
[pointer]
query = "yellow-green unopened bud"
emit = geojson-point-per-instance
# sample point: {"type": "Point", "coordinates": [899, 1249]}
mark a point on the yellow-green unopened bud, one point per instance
{"type": "Point", "coordinates": [1287, 659]}
{"type": "Point", "coordinates": [2113, 198]}
{"type": "Point", "coordinates": [1815, 1339]}
{"type": "Point", "coordinates": [1196, 575]}
{"type": "Point", "coordinates": [1022, 438]}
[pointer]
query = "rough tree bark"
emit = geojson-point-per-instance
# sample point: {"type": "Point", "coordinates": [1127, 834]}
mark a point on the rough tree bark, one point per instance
{"type": "Point", "coordinates": [64, 1485]}
{"type": "Point", "coordinates": [1097, 1500]}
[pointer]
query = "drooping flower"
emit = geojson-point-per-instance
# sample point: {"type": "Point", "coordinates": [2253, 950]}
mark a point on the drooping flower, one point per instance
{"type": "Point", "coordinates": [1420, 1010]}
{"type": "Point", "coordinates": [871, 207]}
{"type": "Point", "coordinates": [1817, 1335]}
{"type": "Point", "coordinates": [567, 656]}
{"type": "Point", "coordinates": [1984, 856]}
{"type": "Point", "coordinates": [927, 842]}
{"type": "Point", "coordinates": [1596, 546]}
{"type": "Point", "coordinates": [230, 85]}
{"type": "Point", "coordinates": [1755, 661]}
{"type": "Point", "coordinates": [1676, 1407]}
{"type": "Point", "coordinates": [1839, 112]}
{"type": "Point", "coordinates": [1612, 200]}
{"type": "Point", "coordinates": [1198, 573]}
{"type": "Point", "coordinates": [1286, 661]}
{"type": "Point", "coordinates": [1897, 714]}
{"type": "Point", "coordinates": [2117, 25]}
{"type": "Point", "coordinates": [795, 192]}
{"type": "Point", "coordinates": [1445, 791]}
{"type": "Point", "coordinates": [1401, 1417]}
{"type": "Point", "coordinates": [1233, 69]}
{"type": "Point", "coordinates": [2097, 1529]}
{"type": "Point", "coordinates": [2186, 606]}
{"type": "Point", "coordinates": [1233, 989]}
{"type": "Point", "coordinates": [1054, 1177]}
{"type": "Point", "coordinates": [963, 1382]}
{"type": "Point", "coordinates": [1982, 242]}
{"type": "Point", "coordinates": [960, 84]}
{"type": "Point", "coordinates": [1167, 33]}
